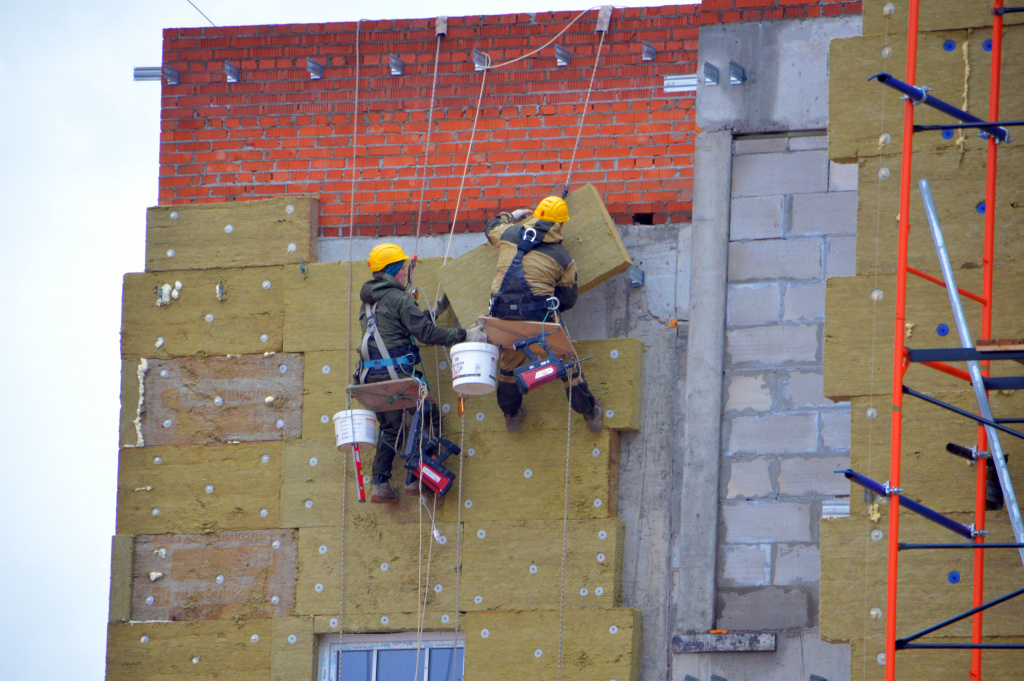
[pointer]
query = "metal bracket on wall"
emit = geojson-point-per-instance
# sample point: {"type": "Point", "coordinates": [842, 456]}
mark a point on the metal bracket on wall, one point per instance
{"type": "Point", "coordinates": [315, 69]}
{"type": "Point", "coordinates": [479, 60]}
{"type": "Point", "coordinates": [647, 52]}
{"type": "Point", "coordinates": [397, 66]}
{"type": "Point", "coordinates": [441, 26]}
{"type": "Point", "coordinates": [604, 18]}
{"type": "Point", "coordinates": [710, 74]}
{"type": "Point", "coordinates": [562, 55]}
{"type": "Point", "coordinates": [737, 74]}
{"type": "Point", "coordinates": [231, 71]}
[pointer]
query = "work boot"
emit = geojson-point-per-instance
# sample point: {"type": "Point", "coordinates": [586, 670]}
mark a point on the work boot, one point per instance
{"type": "Point", "coordinates": [595, 418]}
{"type": "Point", "coordinates": [383, 493]}
{"type": "Point", "coordinates": [513, 422]}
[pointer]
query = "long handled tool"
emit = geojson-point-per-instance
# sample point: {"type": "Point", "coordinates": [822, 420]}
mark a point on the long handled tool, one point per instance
{"type": "Point", "coordinates": [359, 472]}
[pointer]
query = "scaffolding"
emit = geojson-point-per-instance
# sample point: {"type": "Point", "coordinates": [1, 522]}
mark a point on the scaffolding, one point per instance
{"type": "Point", "coordinates": [987, 452]}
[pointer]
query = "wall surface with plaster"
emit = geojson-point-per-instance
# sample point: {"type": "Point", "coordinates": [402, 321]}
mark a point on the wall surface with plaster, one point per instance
{"type": "Point", "coordinates": [277, 135]}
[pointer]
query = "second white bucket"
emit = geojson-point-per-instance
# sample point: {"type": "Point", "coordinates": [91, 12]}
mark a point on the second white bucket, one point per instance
{"type": "Point", "coordinates": [474, 368]}
{"type": "Point", "coordinates": [356, 426]}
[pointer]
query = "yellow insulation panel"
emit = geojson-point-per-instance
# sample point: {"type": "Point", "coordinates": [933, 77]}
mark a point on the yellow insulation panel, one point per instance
{"type": "Point", "coordinates": [958, 186]}
{"type": "Point", "coordinates": [162, 651]}
{"type": "Point", "coordinates": [932, 16]}
{"type": "Point", "coordinates": [859, 331]}
{"type": "Point", "coordinates": [381, 570]}
{"type": "Point", "coordinates": [385, 562]}
{"type": "Point", "coordinates": [590, 236]}
{"type": "Point", "coordinates": [217, 312]}
{"type": "Point", "coordinates": [852, 561]}
{"type": "Point", "coordinates": [495, 480]}
{"type": "Point", "coordinates": [233, 234]}
{"type": "Point", "coordinates": [199, 489]}
{"type": "Point", "coordinates": [928, 473]}
{"type": "Point", "coordinates": [318, 306]}
{"type": "Point", "coordinates": [596, 644]}
{"type": "Point", "coordinates": [294, 653]}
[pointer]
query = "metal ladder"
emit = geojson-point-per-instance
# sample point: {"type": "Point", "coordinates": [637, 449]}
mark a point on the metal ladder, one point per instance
{"type": "Point", "coordinates": [977, 380]}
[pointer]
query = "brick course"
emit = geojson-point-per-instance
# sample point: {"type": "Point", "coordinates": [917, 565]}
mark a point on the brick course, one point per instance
{"type": "Point", "coordinates": [278, 132]}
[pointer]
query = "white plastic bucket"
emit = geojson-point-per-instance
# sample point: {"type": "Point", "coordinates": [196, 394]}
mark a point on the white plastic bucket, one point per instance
{"type": "Point", "coordinates": [356, 426]}
{"type": "Point", "coordinates": [474, 368]}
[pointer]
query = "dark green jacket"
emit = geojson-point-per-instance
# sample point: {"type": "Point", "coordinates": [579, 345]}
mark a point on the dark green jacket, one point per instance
{"type": "Point", "coordinates": [401, 322]}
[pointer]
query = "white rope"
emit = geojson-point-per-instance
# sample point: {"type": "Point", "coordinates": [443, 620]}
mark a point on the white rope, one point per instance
{"type": "Point", "coordinates": [465, 167]}
{"type": "Point", "coordinates": [871, 372]}
{"type": "Point", "coordinates": [458, 545]}
{"type": "Point", "coordinates": [583, 115]}
{"type": "Point", "coordinates": [348, 354]}
{"type": "Point", "coordinates": [565, 533]}
{"type": "Point", "coordinates": [426, 152]}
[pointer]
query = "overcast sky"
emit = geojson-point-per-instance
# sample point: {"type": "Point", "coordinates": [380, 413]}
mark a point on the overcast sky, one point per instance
{"type": "Point", "coordinates": [78, 168]}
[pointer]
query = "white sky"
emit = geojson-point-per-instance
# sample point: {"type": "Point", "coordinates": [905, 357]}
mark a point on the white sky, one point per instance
{"type": "Point", "coordinates": [78, 168]}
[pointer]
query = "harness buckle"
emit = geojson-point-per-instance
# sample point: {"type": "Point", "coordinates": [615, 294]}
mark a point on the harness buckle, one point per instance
{"type": "Point", "coordinates": [527, 232]}
{"type": "Point", "coordinates": [553, 303]}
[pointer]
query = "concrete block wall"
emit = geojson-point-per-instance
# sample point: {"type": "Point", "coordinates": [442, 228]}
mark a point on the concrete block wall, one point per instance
{"type": "Point", "coordinates": [792, 226]}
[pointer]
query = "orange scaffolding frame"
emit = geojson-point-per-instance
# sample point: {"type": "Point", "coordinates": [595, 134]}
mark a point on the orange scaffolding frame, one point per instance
{"type": "Point", "coordinates": [900, 355]}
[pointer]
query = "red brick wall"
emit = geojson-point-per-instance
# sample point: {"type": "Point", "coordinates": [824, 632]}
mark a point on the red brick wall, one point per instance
{"type": "Point", "coordinates": [278, 132]}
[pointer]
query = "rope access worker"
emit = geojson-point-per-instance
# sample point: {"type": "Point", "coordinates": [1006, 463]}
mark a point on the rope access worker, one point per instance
{"type": "Point", "coordinates": [536, 279]}
{"type": "Point", "coordinates": [392, 323]}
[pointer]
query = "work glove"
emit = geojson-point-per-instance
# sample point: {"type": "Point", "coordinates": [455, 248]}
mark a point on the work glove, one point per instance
{"type": "Point", "coordinates": [440, 306]}
{"type": "Point", "coordinates": [475, 334]}
{"type": "Point", "coordinates": [518, 215]}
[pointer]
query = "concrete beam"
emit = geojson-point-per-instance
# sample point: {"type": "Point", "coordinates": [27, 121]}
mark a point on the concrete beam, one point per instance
{"type": "Point", "coordinates": [698, 529]}
{"type": "Point", "coordinates": [724, 643]}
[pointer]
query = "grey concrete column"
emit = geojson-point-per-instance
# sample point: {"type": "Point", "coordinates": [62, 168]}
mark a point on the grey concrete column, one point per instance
{"type": "Point", "coordinates": [698, 518]}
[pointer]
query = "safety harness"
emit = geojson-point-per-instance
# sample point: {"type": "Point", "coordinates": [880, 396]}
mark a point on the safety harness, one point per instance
{"type": "Point", "coordinates": [514, 299]}
{"type": "Point", "coordinates": [407, 356]}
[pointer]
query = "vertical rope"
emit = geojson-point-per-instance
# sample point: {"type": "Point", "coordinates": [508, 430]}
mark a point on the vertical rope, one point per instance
{"type": "Point", "coordinates": [426, 149]}
{"type": "Point", "coordinates": [348, 398]}
{"type": "Point", "coordinates": [871, 372]}
{"type": "Point", "coordinates": [458, 546]}
{"type": "Point", "coordinates": [352, 216]}
{"type": "Point", "coordinates": [465, 167]}
{"type": "Point", "coordinates": [583, 115]}
{"type": "Point", "coordinates": [565, 536]}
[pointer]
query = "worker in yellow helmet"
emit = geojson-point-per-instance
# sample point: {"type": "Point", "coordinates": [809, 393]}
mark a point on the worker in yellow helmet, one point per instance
{"type": "Point", "coordinates": [393, 325]}
{"type": "Point", "coordinates": [536, 279]}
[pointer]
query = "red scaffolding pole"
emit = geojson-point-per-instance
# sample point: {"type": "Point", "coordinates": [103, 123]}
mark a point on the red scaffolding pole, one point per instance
{"type": "Point", "coordinates": [900, 352]}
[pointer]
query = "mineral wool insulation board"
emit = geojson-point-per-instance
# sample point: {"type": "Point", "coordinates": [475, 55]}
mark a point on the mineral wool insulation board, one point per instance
{"type": "Point", "coordinates": [493, 480]}
{"type": "Point", "coordinates": [232, 234]}
{"type": "Point", "coordinates": [590, 236]}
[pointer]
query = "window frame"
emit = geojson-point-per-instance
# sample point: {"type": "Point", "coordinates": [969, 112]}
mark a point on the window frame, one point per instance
{"type": "Point", "coordinates": [330, 649]}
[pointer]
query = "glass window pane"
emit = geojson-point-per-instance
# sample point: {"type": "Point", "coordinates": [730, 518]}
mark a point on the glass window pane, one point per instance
{"type": "Point", "coordinates": [356, 665]}
{"type": "Point", "coordinates": [398, 665]}
{"type": "Point", "coordinates": [441, 668]}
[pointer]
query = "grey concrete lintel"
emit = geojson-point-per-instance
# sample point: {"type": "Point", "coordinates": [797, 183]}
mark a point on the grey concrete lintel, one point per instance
{"type": "Point", "coordinates": [739, 642]}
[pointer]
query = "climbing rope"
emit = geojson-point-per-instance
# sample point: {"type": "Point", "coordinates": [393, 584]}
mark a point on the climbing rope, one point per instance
{"type": "Point", "coordinates": [348, 353]}
{"type": "Point", "coordinates": [883, 173]}
{"type": "Point", "coordinates": [565, 534]}
{"type": "Point", "coordinates": [583, 116]}
{"type": "Point", "coordinates": [488, 66]}
{"type": "Point", "coordinates": [426, 149]}
{"type": "Point", "coordinates": [458, 544]}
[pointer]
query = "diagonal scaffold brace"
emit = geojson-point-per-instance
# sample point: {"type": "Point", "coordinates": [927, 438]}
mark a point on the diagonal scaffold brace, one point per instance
{"type": "Point", "coordinates": [977, 380]}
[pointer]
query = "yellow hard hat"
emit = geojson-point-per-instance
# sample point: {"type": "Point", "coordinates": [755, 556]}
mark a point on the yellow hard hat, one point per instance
{"type": "Point", "coordinates": [383, 255]}
{"type": "Point", "coordinates": [552, 209]}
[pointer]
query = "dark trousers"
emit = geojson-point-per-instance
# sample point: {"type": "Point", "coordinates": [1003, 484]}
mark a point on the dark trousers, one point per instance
{"type": "Point", "coordinates": [390, 423]}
